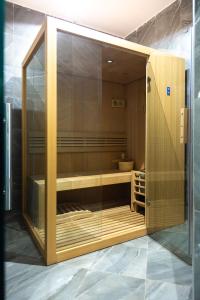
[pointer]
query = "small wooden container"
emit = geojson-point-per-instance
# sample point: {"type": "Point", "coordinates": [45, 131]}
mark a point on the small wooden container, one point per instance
{"type": "Point", "coordinates": [126, 166]}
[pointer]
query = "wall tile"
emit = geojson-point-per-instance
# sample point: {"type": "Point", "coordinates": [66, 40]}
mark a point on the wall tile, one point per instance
{"type": "Point", "coordinates": [146, 33]}
{"type": "Point", "coordinates": [167, 23]}
{"type": "Point", "coordinates": [27, 22]}
{"type": "Point", "coordinates": [9, 15]}
{"type": "Point", "coordinates": [197, 10]}
{"type": "Point", "coordinates": [186, 12]}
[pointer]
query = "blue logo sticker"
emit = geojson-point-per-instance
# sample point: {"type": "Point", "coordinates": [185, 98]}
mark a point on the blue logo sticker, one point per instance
{"type": "Point", "coordinates": [168, 90]}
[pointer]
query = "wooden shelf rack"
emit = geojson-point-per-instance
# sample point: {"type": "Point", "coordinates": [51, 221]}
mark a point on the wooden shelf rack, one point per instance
{"type": "Point", "coordinates": [137, 190]}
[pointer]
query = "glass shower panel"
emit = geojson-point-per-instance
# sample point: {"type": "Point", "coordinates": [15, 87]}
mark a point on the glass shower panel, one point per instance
{"type": "Point", "coordinates": [35, 126]}
{"type": "Point", "coordinates": [79, 154]}
{"type": "Point", "coordinates": [196, 152]}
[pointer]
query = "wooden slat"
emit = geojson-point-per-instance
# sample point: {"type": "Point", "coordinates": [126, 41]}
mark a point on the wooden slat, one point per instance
{"type": "Point", "coordinates": [139, 193]}
{"type": "Point", "coordinates": [100, 225]}
{"type": "Point", "coordinates": [138, 179]}
{"type": "Point", "coordinates": [140, 186]}
{"type": "Point", "coordinates": [104, 241]}
{"type": "Point", "coordinates": [107, 212]}
{"type": "Point", "coordinates": [78, 144]}
{"type": "Point", "coordinates": [67, 242]}
{"type": "Point", "coordinates": [140, 203]}
{"type": "Point", "coordinates": [98, 229]}
{"type": "Point", "coordinates": [76, 227]}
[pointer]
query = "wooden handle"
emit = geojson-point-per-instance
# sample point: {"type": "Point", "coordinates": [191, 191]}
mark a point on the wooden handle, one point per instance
{"type": "Point", "coordinates": [183, 125]}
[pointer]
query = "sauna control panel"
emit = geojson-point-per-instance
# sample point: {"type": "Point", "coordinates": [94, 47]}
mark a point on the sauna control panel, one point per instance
{"type": "Point", "coordinates": [119, 103]}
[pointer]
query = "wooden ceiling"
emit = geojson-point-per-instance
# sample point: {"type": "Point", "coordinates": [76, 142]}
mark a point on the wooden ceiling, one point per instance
{"type": "Point", "coordinates": [125, 68]}
{"type": "Point", "coordinates": [81, 57]}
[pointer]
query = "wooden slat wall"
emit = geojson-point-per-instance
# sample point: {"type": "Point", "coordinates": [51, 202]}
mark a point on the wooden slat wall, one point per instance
{"type": "Point", "coordinates": [87, 109]}
{"type": "Point", "coordinates": [80, 142]}
{"type": "Point", "coordinates": [116, 130]}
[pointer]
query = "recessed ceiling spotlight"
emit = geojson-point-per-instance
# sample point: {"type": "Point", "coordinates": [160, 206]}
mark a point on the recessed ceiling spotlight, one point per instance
{"type": "Point", "coordinates": [109, 61]}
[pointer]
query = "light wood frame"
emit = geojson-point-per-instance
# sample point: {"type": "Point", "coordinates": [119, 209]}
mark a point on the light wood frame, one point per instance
{"type": "Point", "coordinates": [48, 33]}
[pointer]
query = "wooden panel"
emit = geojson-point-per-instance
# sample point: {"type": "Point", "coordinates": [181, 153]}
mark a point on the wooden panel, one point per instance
{"type": "Point", "coordinates": [51, 136]}
{"type": "Point", "coordinates": [125, 68]}
{"type": "Point", "coordinates": [136, 118]}
{"type": "Point", "coordinates": [113, 119]}
{"type": "Point", "coordinates": [85, 109]}
{"type": "Point", "coordinates": [164, 152]}
{"type": "Point", "coordinates": [85, 105]}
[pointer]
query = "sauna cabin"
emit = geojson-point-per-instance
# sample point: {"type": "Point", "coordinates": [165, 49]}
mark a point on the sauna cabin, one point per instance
{"type": "Point", "coordinates": [103, 140]}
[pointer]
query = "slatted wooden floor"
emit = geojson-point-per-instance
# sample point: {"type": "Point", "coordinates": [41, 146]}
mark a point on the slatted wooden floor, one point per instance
{"type": "Point", "coordinates": [94, 226]}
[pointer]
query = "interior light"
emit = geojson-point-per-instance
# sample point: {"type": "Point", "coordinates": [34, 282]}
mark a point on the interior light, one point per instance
{"type": "Point", "coordinates": [109, 61]}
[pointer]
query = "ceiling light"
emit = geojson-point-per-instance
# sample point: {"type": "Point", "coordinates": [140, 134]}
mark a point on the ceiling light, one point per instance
{"type": "Point", "coordinates": [109, 61]}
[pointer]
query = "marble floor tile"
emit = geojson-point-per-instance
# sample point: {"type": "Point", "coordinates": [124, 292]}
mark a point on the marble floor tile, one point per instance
{"type": "Point", "coordinates": [90, 285]}
{"type": "Point", "coordinates": [156, 244]}
{"type": "Point", "coordinates": [165, 266]}
{"type": "Point", "coordinates": [157, 290]}
{"type": "Point", "coordinates": [124, 271]}
{"type": "Point", "coordinates": [139, 243]}
{"type": "Point", "coordinates": [20, 248]}
{"type": "Point", "coordinates": [24, 282]}
{"type": "Point", "coordinates": [123, 259]}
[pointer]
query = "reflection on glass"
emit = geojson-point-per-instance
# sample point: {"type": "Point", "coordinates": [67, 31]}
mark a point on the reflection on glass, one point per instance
{"type": "Point", "coordinates": [35, 105]}
{"type": "Point", "coordinates": [78, 124]}
{"type": "Point", "coordinates": [100, 101]}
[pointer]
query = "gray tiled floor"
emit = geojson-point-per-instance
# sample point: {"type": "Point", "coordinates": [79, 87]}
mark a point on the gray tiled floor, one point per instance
{"type": "Point", "coordinates": [137, 270]}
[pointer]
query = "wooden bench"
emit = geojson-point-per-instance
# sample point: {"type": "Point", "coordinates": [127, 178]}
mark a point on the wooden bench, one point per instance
{"type": "Point", "coordinates": [73, 181]}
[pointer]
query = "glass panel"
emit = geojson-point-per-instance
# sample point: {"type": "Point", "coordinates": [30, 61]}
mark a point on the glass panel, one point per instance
{"type": "Point", "coordinates": [196, 153]}
{"type": "Point", "coordinates": [35, 107]}
{"type": "Point", "coordinates": [79, 101]}
{"type": "Point", "coordinates": [100, 121]}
